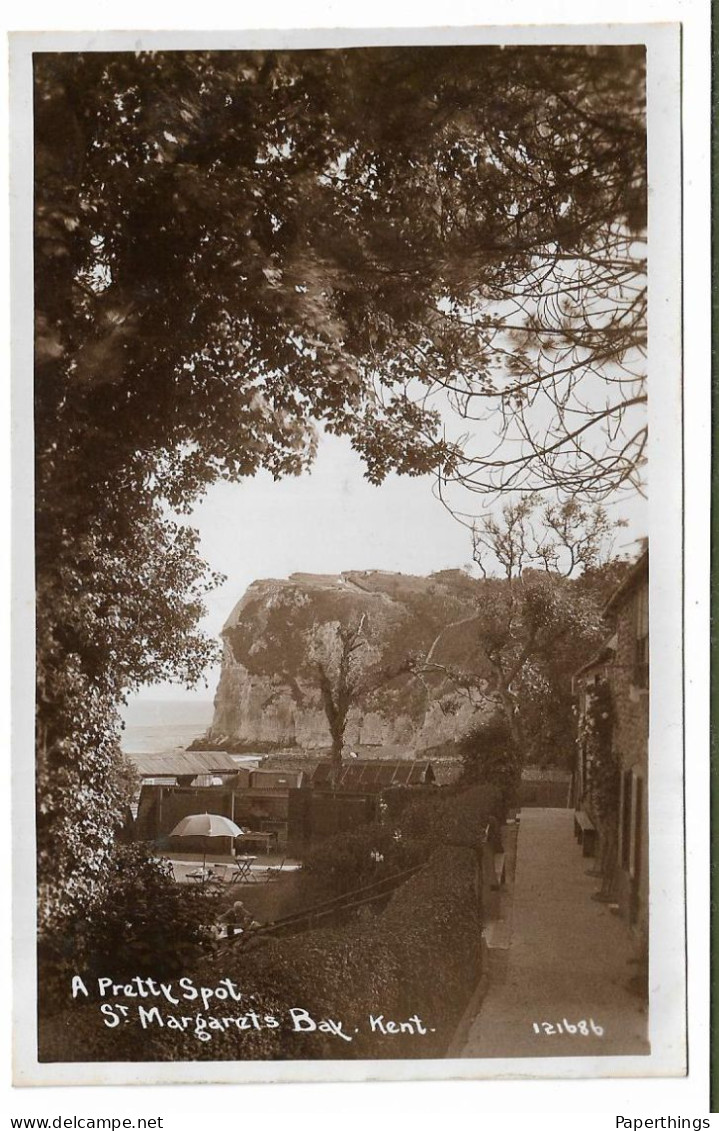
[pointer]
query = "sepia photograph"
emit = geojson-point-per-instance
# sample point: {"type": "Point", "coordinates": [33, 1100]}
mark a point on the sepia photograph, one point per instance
{"type": "Point", "coordinates": [346, 465]}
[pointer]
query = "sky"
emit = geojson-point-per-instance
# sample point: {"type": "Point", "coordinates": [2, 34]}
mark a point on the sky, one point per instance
{"type": "Point", "coordinates": [326, 521]}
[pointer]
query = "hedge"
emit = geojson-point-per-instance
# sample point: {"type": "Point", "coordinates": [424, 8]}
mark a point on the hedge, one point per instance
{"type": "Point", "coordinates": [420, 957]}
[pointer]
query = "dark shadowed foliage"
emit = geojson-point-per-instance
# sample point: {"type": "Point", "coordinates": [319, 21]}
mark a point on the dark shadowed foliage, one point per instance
{"type": "Point", "coordinates": [232, 248]}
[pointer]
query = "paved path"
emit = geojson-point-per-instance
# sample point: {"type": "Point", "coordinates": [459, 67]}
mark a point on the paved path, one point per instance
{"type": "Point", "coordinates": [567, 957]}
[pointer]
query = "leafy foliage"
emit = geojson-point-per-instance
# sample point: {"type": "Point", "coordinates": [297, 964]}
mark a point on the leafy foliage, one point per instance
{"type": "Point", "coordinates": [360, 857]}
{"type": "Point", "coordinates": [110, 614]}
{"type": "Point", "coordinates": [231, 248]}
{"type": "Point", "coordinates": [413, 825]}
{"type": "Point", "coordinates": [535, 623]}
{"type": "Point", "coordinates": [420, 955]}
{"type": "Point", "coordinates": [147, 924]}
{"type": "Point", "coordinates": [143, 924]}
{"type": "Point", "coordinates": [490, 756]}
{"type": "Point", "coordinates": [167, 355]}
{"type": "Point", "coordinates": [455, 816]}
{"type": "Point", "coordinates": [83, 793]}
{"type": "Point", "coordinates": [603, 762]}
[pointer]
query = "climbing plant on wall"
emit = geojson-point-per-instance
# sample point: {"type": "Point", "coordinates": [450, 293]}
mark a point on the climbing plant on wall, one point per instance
{"type": "Point", "coordinates": [595, 738]}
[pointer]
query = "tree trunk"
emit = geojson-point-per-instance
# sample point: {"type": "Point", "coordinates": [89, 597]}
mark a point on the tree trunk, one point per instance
{"type": "Point", "coordinates": [512, 716]}
{"type": "Point", "coordinates": [336, 758]}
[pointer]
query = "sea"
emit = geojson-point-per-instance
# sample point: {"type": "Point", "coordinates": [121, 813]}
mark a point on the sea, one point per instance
{"type": "Point", "coordinates": [156, 726]}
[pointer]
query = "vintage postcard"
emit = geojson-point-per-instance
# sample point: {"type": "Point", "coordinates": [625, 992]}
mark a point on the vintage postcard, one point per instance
{"type": "Point", "coordinates": [353, 440]}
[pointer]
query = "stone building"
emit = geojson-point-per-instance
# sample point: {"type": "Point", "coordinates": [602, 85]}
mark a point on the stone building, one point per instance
{"type": "Point", "coordinates": [629, 677]}
{"type": "Point", "coordinates": [612, 772]}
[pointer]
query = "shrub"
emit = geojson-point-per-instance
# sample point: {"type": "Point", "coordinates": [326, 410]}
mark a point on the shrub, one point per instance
{"type": "Point", "coordinates": [450, 817]}
{"type": "Point", "coordinates": [358, 858]}
{"type": "Point", "coordinates": [420, 956]}
{"type": "Point", "coordinates": [409, 835]}
{"type": "Point", "coordinates": [489, 755]}
{"type": "Point", "coordinates": [145, 924]}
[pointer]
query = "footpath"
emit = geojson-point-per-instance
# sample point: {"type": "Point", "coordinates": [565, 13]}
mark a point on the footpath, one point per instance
{"type": "Point", "coordinates": [559, 962]}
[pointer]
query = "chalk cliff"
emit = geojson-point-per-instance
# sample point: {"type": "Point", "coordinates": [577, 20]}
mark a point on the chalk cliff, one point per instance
{"type": "Point", "coordinates": [269, 695]}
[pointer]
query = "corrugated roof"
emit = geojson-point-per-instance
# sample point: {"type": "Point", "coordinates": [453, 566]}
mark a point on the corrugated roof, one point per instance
{"type": "Point", "coordinates": [375, 775]}
{"type": "Point", "coordinates": [183, 762]}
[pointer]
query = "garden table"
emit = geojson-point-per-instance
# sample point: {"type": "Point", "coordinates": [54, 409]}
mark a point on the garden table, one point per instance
{"type": "Point", "coordinates": [199, 875]}
{"type": "Point", "coordinates": [207, 875]}
{"type": "Point", "coordinates": [243, 864]}
{"type": "Point", "coordinates": [266, 841]}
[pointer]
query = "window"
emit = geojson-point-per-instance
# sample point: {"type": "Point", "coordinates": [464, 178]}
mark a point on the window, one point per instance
{"type": "Point", "coordinates": [636, 860]}
{"type": "Point", "coordinates": [626, 819]}
{"type": "Point", "coordinates": [631, 820]}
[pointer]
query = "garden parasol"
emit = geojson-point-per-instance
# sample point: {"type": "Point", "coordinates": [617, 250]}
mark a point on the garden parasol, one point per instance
{"type": "Point", "coordinates": [206, 824]}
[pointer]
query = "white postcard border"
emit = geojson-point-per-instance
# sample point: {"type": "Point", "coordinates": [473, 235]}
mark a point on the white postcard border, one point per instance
{"type": "Point", "coordinates": [667, 936]}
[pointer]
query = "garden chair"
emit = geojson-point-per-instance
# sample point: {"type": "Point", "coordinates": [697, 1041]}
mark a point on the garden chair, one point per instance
{"type": "Point", "coordinates": [274, 871]}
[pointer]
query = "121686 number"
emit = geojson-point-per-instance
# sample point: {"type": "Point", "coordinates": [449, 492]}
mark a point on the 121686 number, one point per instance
{"type": "Point", "coordinates": [550, 1029]}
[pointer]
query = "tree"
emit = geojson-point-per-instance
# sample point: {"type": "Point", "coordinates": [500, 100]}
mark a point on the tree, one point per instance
{"type": "Point", "coordinates": [263, 238]}
{"type": "Point", "coordinates": [557, 378]}
{"type": "Point", "coordinates": [334, 650]}
{"type": "Point", "coordinates": [563, 538]}
{"type": "Point", "coordinates": [534, 622]}
{"type": "Point", "coordinates": [233, 247]}
{"type": "Point", "coordinates": [109, 615]}
{"type": "Point", "coordinates": [490, 756]}
{"type": "Point", "coordinates": [349, 667]}
{"type": "Point", "coordinates": [545, 622]}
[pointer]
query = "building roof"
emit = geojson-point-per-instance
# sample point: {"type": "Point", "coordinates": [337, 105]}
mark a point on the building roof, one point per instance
{"type": "Point", "coordinates": [638, 572]}
{"type": "Point", "coordinates": [374, 775]}
{"type": "Point", "coordinates": [603, 656]}
{"type": "Point", "coordinates": [180, 763]}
